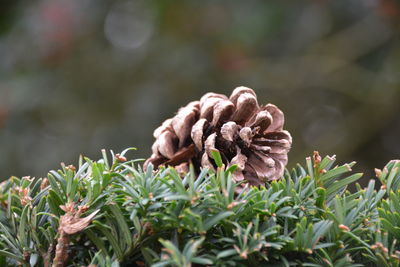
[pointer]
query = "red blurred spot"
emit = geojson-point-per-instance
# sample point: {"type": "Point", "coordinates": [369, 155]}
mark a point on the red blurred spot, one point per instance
{"type": "Point", "coordinates": [3, 116]}
{"type": "Point", "coordinates": [231, 58]}
{"type": "Point", "coordinates": [57, 18]}
{"type": "Point", "coordinates": [390, 8]}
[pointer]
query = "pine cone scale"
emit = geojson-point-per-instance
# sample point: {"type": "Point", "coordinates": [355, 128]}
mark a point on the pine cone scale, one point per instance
{"type": "Point", "coordinates": [209, 144]}
{"type": "Point", "coordinates": [245, 108]}
{"type": "Point", "coordinates": [183, 121]}
{"type": "Point", "coordinates": [229, 131]}
{"type": "Point", "coordinates": [197, 132]}
{"type": "Point", "coordinates": [263, 120]}
{"type": "Point", "coordinates": [182, 156]}
{"type": "Point", "coordinates": [278, 118]}
{"type": "Point", "coordinates": [222, 112]}
{"type": "Point", "coordinates": [167, 144]}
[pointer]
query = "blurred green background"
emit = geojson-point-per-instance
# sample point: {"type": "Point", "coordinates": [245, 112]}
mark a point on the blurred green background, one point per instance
{"type": "Point", "coordinates": [77, 76]}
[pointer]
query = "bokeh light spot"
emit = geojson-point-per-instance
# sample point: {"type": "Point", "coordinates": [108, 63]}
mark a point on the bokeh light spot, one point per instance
{"type": "Point", "coordinates": [129, 25]}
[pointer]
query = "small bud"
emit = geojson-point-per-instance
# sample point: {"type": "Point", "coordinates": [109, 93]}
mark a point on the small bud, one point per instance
{"type": "Point", "coordinates": [44, 184]}
{"type": "Point", "coordinates": [27, 178]}
{"type": "Point", "coordinates": [70, 167]}
{"type": "Point", "coordinates": [379, 246]}
{"type": "Point", "coordinates": [378, 172]}
{"type": "Point", "coordinates": [243, 255]}
{"type": "Point", "coordinates": [23, 193]}
{"type": "Point", "coordinates": [317, 159]}
{"type": "Point", "coordinates": [120, 158]}
{"type": "Point", "coordinates": [225, 193]}
{"type": "Point", "coordinates": [394, 256]}
{"type": "Point", "coordinates": [194, 200]}
{"type": "Point", "coordinates": [232, 205]}
{"type": "Point", "coordinates": [348, 167]}
{"type": "Point", "coordinates": [82, 209]}
{"type": "Point", "coordinates": [344, 228]}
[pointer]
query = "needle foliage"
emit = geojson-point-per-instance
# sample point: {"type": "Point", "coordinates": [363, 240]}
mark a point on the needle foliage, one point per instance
{"type": "Point", "coordinates": [157, 218]}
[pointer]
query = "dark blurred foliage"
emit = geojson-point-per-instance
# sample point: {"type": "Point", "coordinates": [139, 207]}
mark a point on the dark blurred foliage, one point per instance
{"type": "Point", "coordinates": [80, 75]}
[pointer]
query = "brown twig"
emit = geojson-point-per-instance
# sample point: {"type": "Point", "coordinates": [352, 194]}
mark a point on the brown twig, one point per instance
{"type": "Point", "coordinates": [70, 223]}
{"type": "Point", "coordinates": [61, 249]}
{"type": "Point", "coordinates": [47, 256]}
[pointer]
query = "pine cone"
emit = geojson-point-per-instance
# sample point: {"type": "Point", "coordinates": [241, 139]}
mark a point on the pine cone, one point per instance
{"type": "Point", "coordinates": [245, 134]}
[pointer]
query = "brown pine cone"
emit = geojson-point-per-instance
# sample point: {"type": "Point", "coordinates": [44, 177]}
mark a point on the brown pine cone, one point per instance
{"type": "Point", "coordinates": [245, 134]}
